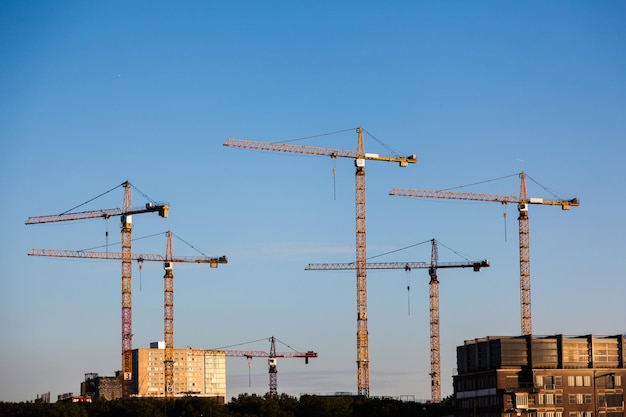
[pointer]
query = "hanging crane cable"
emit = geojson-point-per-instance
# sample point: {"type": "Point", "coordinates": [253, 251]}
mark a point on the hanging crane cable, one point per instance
{"type": "Point", "coordinates": [408, 288]}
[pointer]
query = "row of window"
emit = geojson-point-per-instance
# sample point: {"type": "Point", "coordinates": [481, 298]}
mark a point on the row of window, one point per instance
{"type": "Point", "coordinates": [603, 381]}
{"type": "Point", "coordinates": [580, 399]}
{"type": "Point", "coordinates": [556, 414]}
{"type": "Point", "coordinates": [571, 414]}
{"type": "Point", "coordinates": [523, 400]}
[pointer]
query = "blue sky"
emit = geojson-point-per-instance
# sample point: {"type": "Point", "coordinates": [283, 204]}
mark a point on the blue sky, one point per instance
{"type": "Point", "coordinates": [96, 93]}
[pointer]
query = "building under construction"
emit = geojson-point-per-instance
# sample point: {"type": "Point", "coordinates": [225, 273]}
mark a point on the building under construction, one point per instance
{"type": "Point", "coordinates": [102, 387]}
{"type": "Point", "coordinates": [541, 376]}
{"type": "Point", "coordinates": [197, 372]}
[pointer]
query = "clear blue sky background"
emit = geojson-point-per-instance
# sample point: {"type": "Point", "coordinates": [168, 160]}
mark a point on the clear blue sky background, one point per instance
{"type": "Point", "coordinates": [96, 93]}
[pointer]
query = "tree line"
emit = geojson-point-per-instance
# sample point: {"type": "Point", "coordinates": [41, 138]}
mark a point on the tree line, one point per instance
{"type": "Point", "coordinates": [244, 405]}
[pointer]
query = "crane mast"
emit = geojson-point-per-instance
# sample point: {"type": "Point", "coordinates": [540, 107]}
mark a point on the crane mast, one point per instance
{"type": "Point", "coordinates": [524, 259]}
{"type": "Point", "coordinates": [168, 316]}
{"type": "Point", "coordinates": [363, 363]}
{"type": "Point", "coordinates": [362, 334]}
{"type": "Point", "coordinates": [435, 363]}
{"type": "Point", "coordinates": [524, 230]}
{"type": "Point", "coordinates": [127, 321]}
{"type": "Point", "coordinates": [435, 343]}
{"type": "Point", "coordinates": [272, 363]}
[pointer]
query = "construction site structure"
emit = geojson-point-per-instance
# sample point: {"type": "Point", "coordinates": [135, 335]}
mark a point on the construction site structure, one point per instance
{"type": "Point", "coordinates": [125, 213]}
{"type": "Point", "coordinates": [168, 293]}
{"type": "Point", "coordinates": [523, 201]}
{"type": "Point", "coordinates": [197, 372]}
{"type": "Point", "coordinates": [432, 266]}
{"type": "Point", "coordinates": [272, 360]}
{"type": "Point", "coordinates": [363, 363]}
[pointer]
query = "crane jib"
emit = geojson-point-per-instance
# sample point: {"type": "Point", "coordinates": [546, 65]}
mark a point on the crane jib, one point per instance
{"type": "Point", "coordinates": [315, 150]}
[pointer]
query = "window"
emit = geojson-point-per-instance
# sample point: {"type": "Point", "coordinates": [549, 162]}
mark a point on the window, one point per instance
{"type": "Point", "coordinates": [572, 398]}
{"type": "Point", "coordinates": [521, 400]}
{"type": "Point", "coordinates": [546, 398]}
{"type": "Point", "coordinates": [558, 381]}
{"type": "Point", "coordinates": [545, 381]}
{"type": "Point", "coordinates": [614, 400]}
{"type": "Point", "coordinates": [577, 381]}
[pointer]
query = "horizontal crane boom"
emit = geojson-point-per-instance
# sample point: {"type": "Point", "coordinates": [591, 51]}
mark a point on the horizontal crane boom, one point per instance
{"type": "Point", "coordinates": [140, 257]}
{"type": "Point", "coordinates": [396, 265]}
{"type": "Point", "coordinates": [262, 354]}
{"type": "Point", "coordinates": [316, 150]}
{"type": "Point", "coordinates": [496, 198]}
{"type": "Point", "coordinates": [162, 209]}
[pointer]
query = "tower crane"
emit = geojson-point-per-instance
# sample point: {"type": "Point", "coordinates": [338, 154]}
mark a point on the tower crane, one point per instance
{"type": "Point", "coordinates": [272, 359]}
{"type": "Point", "coordinates": [523, 202]}
{"type": "Point", "coordinates": [125, 214]}
{"type": "Point", "coordinates": [168, 291]}
{"type": "Point", "coordinates": [435, 363]}
{"type": "Point", "coordinates": [363, 373]}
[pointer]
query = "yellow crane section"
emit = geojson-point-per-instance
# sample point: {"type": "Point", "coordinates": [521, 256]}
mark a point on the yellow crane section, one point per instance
{"type": "Point", "coordinates": [524, 229]}
{"type": "Point", "coordinates": [363, 374]}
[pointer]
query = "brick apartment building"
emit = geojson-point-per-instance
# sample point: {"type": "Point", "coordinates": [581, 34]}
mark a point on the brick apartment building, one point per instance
{"type": "Point", "coordinates": [541, 376]}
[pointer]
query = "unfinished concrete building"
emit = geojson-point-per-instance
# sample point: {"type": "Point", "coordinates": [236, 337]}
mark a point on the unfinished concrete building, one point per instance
{"type": "Point", "coordinates": [101, 387]}
{"type": "Point", "coordinates": [541, 376]}
{"type": "Point", "coordinates": [197, 372]}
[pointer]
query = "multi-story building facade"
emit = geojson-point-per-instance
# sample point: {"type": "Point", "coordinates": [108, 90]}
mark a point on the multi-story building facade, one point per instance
{"type": "Point", "coordinates": [197, 372]}
{"type": "Point", "coordinates": [547, 376]}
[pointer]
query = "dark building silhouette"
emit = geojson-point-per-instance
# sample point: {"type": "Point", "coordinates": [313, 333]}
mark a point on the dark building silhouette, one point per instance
{"type": "Point", "coordinates": [541, 376]}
